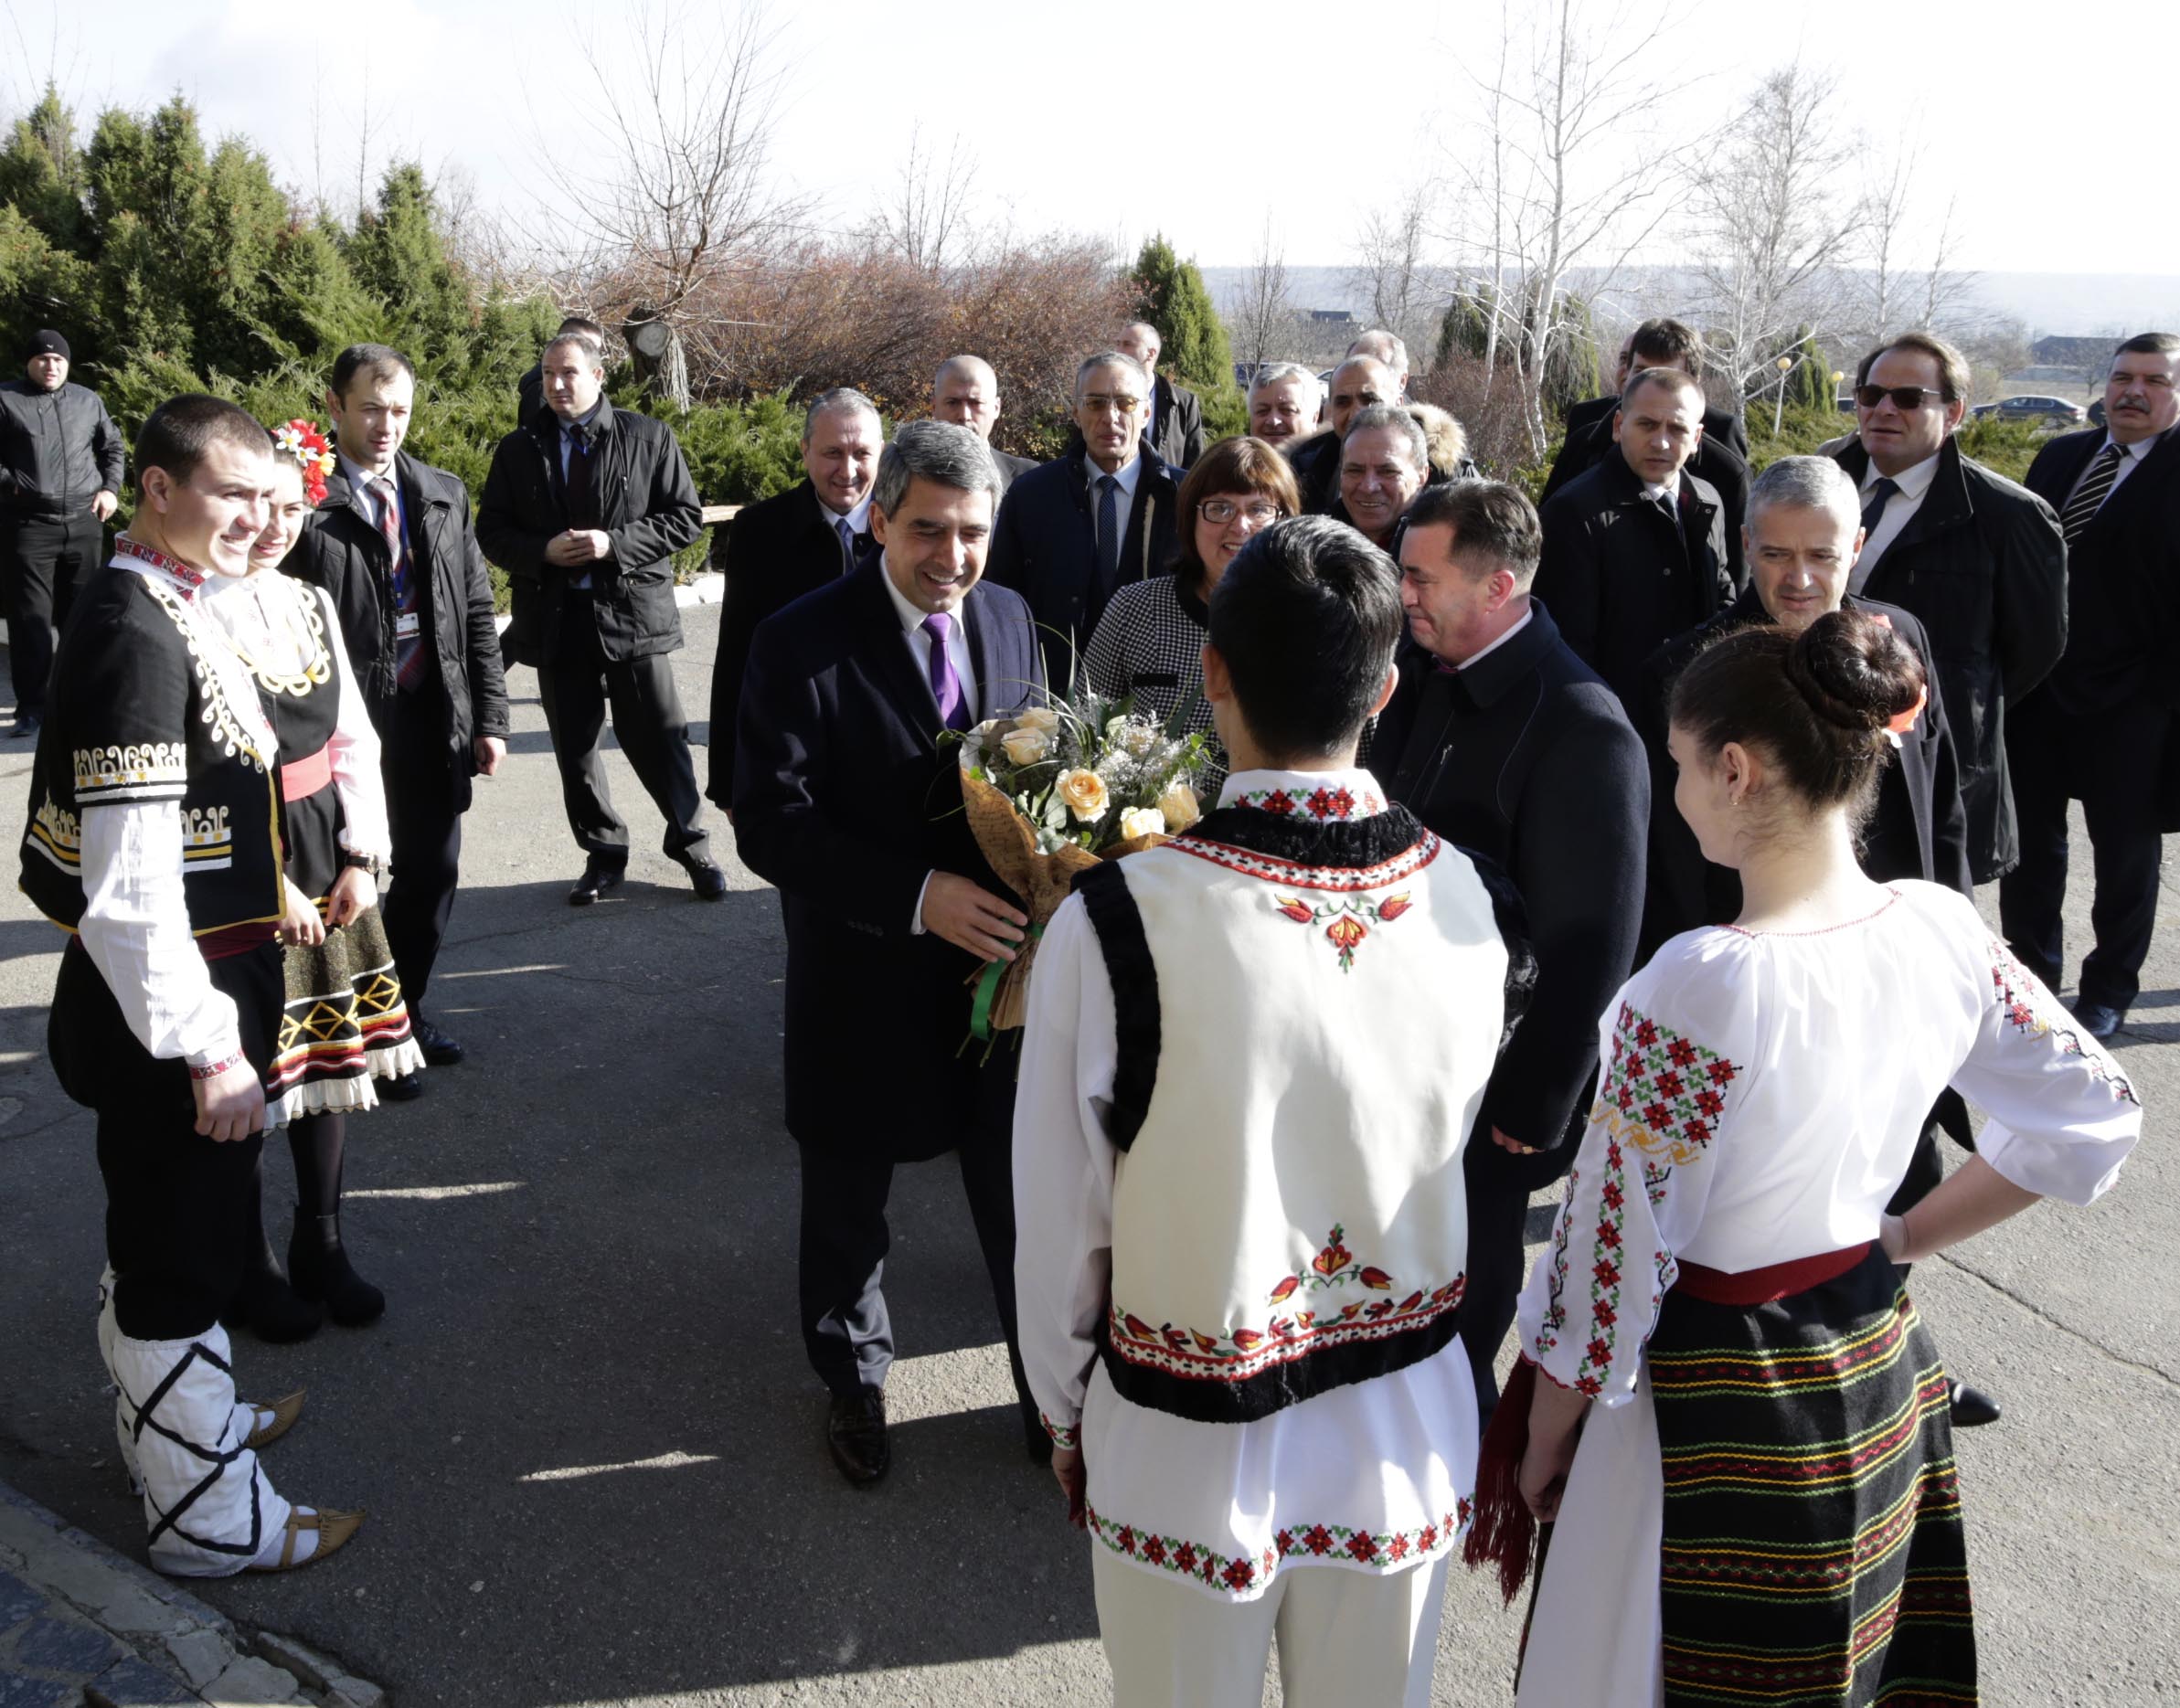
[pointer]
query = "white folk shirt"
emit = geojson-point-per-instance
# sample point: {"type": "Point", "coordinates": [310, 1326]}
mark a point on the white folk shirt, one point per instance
{"type": "Point", "coordinates": [1914, 483]}
{"type": "Point", "coordinates": [1373, 1476]}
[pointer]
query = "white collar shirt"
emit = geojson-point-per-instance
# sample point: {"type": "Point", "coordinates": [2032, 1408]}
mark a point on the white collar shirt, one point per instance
{"type": "Point", "coordinates": [361, 480]}
{"type": "Point", "coordinates": [1125, 500]}
{"type": "Point", "coordinates": [2132, 457]}
{"type": "Point", "coordinates": [1521, 622]}
{"type": "Point", "coordinates": [1914, 483]}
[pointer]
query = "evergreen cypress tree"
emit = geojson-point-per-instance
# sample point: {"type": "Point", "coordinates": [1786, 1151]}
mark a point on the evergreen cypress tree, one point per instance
{"type": "Point", "coordinates": [1171, 294]}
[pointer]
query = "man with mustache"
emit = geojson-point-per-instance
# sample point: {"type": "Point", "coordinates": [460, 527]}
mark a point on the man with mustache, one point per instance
{"type": "Point", "coordinates": [2100, 729]}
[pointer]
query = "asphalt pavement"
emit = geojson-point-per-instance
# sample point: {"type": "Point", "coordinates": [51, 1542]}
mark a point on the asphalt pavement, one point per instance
{"type": "Point", "coordinates": [591, 1451]}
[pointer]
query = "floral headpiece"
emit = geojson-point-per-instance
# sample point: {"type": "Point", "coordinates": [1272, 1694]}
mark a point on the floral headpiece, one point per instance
{"type": "Point", "coordinates": [313, 452]}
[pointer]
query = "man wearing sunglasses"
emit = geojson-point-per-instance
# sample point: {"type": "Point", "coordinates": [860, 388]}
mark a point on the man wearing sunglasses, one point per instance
{"type": "Point", "coordinates": [1979, 559]}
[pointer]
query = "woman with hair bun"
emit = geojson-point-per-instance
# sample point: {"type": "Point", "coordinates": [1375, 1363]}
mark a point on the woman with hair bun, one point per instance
{"type": "Point", "coordinates": [1736, 1422]}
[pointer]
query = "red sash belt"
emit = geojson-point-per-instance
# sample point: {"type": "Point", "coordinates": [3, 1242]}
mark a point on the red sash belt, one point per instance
{"type": "Point", "coordinates": [307, 776]}
{"type": "Point", "coordinates": [237, 939]}
{"type": "Point", "coordinates": [1762, 1286]}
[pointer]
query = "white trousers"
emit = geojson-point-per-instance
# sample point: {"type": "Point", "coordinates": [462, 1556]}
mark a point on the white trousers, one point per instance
{"type": "Point", "coordinates": [206, 1503]}
{"type": "Point", "coordinates": [1347, 1640]}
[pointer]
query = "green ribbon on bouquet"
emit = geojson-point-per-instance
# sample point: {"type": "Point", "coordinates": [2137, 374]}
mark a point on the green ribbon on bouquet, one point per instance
{"type": "Point", "coordinates": [987, 991]}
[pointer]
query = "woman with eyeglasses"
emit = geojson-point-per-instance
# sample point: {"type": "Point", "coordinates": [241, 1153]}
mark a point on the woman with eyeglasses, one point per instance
{"type": "Point", "coordinates": [1150, 642]}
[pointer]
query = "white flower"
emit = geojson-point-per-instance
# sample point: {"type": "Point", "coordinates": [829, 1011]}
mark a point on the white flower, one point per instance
{"type": "Point", "coordinates": [1039, 717]}
{"type": "Point", "coordinates": [1027, 746]}
{"type": "Point", "coordinates": [1141, 821]}
{"type": "Point", "coordinates": [1138, 739]}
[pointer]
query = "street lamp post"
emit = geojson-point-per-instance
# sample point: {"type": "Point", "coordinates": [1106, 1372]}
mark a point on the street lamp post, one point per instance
{"type": "Point", "coordinates": [1786, 367]}
{"type": "Point", "coordinates": [1837, 374]}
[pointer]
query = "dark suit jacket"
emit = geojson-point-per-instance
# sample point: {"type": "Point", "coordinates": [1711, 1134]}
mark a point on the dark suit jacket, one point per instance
{"type": "Point", "coordinates": [1175, 434]}
{"type": "Point", "coordinates": [1011, 469]}
{"type": "Point", "coordinates": [843, 799]}
{"type": "Point", "coordinates": [1526, 757]}
{"type": "Point", "coordinates": [1722, 460]}
{"type": "Point", "coordinates": [1621, 580]}
{"type": "Point", "coordinates": [2124, 613]}
{"type": "Point", "coordinates": [343, 551]}
{"type": "Point", "coordinates": [1982, 563]}
{"type": "Point", "coordinates": [1918, 828]}
{"type": "Point", "coordinates": [640, 494]}
{"type": "Point", "coordinates": [772, 553]}
{"type": "Point", "coordinates": [1044, 546]}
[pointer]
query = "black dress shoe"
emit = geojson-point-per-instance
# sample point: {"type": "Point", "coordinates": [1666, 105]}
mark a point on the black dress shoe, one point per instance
{"type": "Point", "coordinates": [1972, 1407]}
{"type": "Point", "coordinates": [2097, 1019]}
{"type": "Point", "coordinates": [855, 1432]}
{"type": "Point", "coordinates": [405, 1090]}
{"type": "Point", "coordinates": [439, 1049]}
{"type": "Point", "coordinates": [705, 875]}
{"type": "Point", "coordinates": [598, 876]}
{"type": "Point", "coordinates": [26, 727]}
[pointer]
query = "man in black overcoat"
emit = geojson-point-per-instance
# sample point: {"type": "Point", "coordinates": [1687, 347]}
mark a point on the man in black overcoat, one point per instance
{"type": "Point", "coordinates": [391, 542]}
{"type": "Point", "coordinates": [1075, 531]}
{"type": "Point", "coordinates": [584, 507]}
{"type": "Point", "coordinates": [1975, 556]}
{"type": "Point", "coordinates": [1173, 427]}
{"type": "Point", "coordinates": [1722, 459]}
{"type": "Point", "coordinates": [1502, 741]}
{"type": "Point", "coordinates": [2100, 730]}
{"type": "Point", "coordinates": [846, 799]}
{"type": "Point", "coordinates": [1634, 550]}
{"type": "Point", "coordinates": [790, 544]}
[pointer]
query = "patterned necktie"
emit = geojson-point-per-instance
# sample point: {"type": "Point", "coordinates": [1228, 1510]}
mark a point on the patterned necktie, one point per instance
{"type": "Point", "coordinates": [946, 685]}
{"type": "Point", "coordinates": [409, 651]}
{"type": "Point", "coordinates": [1880, 494]}
{"type": "Point", "coordinates": [847, 544]}
{"type": "Point", "coordinates": [2096, 486]}
{"type": "Point", "coordinates": [1108, 527]}
{"type": "Point", "coordinates": [582, 500]}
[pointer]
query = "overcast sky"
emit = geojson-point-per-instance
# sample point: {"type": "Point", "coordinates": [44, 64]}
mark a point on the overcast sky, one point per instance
{"type": "Point", "coordinates": [1199, 118]}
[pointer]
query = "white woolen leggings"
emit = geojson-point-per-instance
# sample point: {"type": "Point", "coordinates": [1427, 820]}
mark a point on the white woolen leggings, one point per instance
{"type": "Point", "coordinates": [1346, 1639]}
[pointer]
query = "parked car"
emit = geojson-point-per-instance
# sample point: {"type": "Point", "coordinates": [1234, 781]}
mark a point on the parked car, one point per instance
{"type": "Point", "coordinates": [2035, 408]}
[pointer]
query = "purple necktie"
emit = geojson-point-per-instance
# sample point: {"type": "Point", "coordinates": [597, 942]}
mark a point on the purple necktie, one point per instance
{"type": "Point", "coordinates": [946, 686]}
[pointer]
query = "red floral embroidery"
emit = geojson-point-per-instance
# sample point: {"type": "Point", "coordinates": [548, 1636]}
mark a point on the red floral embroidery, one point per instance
{"type": "Point", "coordinates": [1241, 1353]}
{"type": "Point", "coordinates": [1288, 874]}
{"type": "Point", "coordinates": [1660, 1109]}
{"type": "Point", "coordinates": [1061, 1437]}
{"type": "Point", "coordinates": [1278, 801]}
{"type": "Point", "coordinates": [2030, 1008]}
{"type": "Point", "coordinates": [1379, 1551]}
{"type": "Point", "coordinates": [1346, 929]}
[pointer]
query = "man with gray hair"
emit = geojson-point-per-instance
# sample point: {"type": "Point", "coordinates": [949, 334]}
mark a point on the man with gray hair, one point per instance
{"type": "Point", "coordinates": [1356, 384]}
{"type": "Point", "coordinates": [846, 799]}
{"type": "Point", "coordinates": [1803, 537]}
{"type": "Point", "coordinates": [790, 544]}
{"type": "Point", "coordinates": [1098, 516]}
{"type": "Point", "coordinates": [1389, 349]}
{"type": "Point", "coordinates": [965, 391]}
{"type": "Point", "coordinates": [585, 507]}
{"type": "Point", "coordinates": [1385, 460]}
{"type": "Point", "coordinates": [1285, 401]}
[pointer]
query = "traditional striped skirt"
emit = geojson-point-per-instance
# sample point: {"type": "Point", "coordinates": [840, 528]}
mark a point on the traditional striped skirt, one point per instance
{"type": "Point", "coordinates": [1812, 1545]}
{"type": "Point", "coordinates": [344, 1025]}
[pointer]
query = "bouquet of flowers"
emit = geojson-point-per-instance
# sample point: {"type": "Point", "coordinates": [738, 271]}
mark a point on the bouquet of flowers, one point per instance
{"type": "Point", "coordinates": [1054, 790]}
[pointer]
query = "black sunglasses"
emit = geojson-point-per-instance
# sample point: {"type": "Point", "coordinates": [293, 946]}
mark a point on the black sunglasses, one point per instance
{"type": "Point", "coordinates": [1903, 397]}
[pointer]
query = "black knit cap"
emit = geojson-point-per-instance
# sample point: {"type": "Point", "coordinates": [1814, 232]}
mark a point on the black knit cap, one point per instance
{"type": "Point", "coordinates": [47, 342]}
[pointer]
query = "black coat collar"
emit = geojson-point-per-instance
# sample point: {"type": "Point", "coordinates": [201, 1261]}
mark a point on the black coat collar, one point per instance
{"type": "Point", "coordinates": [1948, 505]}
{"type": "Point", "coordinates": [1624, 486]}
{"type": "Point", "coordinates": [1504, 668]}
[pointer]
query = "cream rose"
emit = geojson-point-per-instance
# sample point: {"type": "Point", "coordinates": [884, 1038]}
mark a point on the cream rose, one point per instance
{"type": "Point", "coordinates": [1084, 792]}
{"type": "Point", "coordinates": [1025, 746]}
{"type": "Point", "coordinates": [1178, 806]}
{"type": "Point", "coordinates": [1141, 821]}
{"type": "Point", "coordinates": [1042, 719]}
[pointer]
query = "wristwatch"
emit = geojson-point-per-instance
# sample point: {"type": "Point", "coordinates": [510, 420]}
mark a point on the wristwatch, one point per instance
{"type": "Point", "coordinates": [365, 863]}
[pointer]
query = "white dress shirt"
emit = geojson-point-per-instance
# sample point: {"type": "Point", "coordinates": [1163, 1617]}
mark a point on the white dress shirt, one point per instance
{"type": "Point", "coordinates": [858, 519]}
{"type": "Point", "coordinates": [919, 643]}
{"type": "Point", "coordinates": [1914, 483]}
{"type": "Point", "coordinates": [1521, 622]}
{"type": "Point", "coordinates": [2130, 458]}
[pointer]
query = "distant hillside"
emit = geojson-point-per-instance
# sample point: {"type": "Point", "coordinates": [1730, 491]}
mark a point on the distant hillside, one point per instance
{"type": "Point", "coordinates": [2083, 304]}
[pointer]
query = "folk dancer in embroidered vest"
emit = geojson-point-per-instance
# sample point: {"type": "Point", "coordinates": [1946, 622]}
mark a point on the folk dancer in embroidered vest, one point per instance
{"type": "Point", "coordinates": [1727, 1371]}
{"type": "Point", "coordinates": [154, 841]}
{"type": "Point", "coordinates": [1251, 1060]}
{"type": "Point", "coordinates": [345, 1027]}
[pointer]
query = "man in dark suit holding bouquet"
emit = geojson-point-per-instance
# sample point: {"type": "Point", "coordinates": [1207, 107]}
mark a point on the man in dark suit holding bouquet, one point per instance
{"type": "Point", "coordinates": [845, 798]}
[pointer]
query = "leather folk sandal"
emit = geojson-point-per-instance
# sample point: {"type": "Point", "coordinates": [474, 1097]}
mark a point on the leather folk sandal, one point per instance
{"type": "Point", "coordinates": [334, 1530]}
{"type": "Point", "coordinates": [275, 1419]}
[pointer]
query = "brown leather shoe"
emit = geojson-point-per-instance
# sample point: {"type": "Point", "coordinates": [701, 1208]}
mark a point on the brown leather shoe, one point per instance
{"type": "Point", "coordinates": [855, 1432]}
{"type": "Point", "coordinates": [282, 1420]}
{"type": "Point", "coordinates": [334, 1530]}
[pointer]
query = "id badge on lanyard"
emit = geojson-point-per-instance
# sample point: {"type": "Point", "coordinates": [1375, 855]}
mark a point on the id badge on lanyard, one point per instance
{"type": "Point", "coordinates": [407, 625]}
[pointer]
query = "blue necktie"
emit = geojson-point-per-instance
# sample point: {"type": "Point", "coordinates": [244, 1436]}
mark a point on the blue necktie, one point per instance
{"type": "Point", "coordinates": [1108, 527]}
{"type": "Point", "coordinates": [847, 544]}
{"type": "Point", "coordinates": [1879, 495]}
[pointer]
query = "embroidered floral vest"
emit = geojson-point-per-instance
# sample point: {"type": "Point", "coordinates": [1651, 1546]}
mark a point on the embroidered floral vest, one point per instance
{"type": "Point", "coordinates": [1307, 1014]}
{"type": "Point", "coordinates": [149, 702]}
